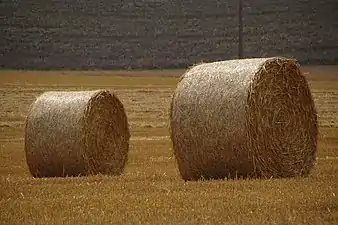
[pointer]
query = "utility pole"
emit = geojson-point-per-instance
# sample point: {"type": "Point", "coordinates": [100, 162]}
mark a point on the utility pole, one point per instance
{"type": "Point", "coordinates": [240, 29]}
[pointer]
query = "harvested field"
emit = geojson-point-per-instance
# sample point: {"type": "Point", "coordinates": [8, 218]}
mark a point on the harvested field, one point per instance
{"type": "Point", "coordinates": [150, 191]}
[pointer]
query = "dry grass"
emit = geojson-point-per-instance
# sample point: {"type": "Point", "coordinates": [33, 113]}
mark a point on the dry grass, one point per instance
{"type": "Point", "coordinates": [151, 191]}
{"type": "Point", "coordinates": [246, 118]}
{"type": "Point", "coordinates": [74, 133]}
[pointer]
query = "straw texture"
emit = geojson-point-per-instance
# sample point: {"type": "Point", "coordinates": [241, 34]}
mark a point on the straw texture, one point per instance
{"type": "Point", "coordinates": [76, 134]}
{"type": "Point", "coordinates": [244, 118]}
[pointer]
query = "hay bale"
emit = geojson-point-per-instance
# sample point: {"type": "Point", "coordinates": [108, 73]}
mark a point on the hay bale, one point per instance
{"type": "Point", "coordinates": [244, 118]}
{"type": "Point", "coordinates": [76, 133]}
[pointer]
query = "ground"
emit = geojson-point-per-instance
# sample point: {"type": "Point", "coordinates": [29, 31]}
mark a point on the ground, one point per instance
{"type": "Point", "coordinates": [150, 191]}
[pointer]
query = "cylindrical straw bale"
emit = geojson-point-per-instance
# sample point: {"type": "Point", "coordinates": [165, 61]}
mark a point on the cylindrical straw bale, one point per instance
{"type": "Point", "coordinates": [76, 133]}
{"type": "Point", "coordinates": [244, 118]}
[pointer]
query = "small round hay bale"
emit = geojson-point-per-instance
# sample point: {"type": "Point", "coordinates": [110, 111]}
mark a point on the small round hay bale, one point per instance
{"type": "Point", "coordinates": [244, 118]}
{"type": "Point", "coordinates": [76, 133]}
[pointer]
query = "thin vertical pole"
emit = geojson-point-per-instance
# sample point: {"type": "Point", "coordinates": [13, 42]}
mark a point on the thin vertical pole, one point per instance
{"type": "Point", "coordinates": [240, 29]}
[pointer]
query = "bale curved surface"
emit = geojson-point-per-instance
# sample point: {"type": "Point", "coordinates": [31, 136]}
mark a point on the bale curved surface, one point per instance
{"type": "Point", "coordinates": [244, 118]}
{"type": "Point", "coordinates": [76, 133]}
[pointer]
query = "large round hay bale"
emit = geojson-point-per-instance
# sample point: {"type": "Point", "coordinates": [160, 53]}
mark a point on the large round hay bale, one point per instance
{"type": "Point", "coordinates": [244, 118]}
{"type": "Point", "coordinates": [76, 133]}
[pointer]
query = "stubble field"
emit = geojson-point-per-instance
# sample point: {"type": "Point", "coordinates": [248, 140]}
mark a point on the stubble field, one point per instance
{"type": "Point", "coordinates": [151, 191]}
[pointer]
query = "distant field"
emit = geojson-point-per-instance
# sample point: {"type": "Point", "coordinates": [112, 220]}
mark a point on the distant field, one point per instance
{"type": "Point", "coordinates": [151, 191]}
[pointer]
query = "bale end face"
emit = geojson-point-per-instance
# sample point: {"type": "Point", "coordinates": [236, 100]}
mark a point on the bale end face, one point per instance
{"type": "Point", "coordinates": [281, 121]}
{"type": "Point", "coordinates": [107, 134]}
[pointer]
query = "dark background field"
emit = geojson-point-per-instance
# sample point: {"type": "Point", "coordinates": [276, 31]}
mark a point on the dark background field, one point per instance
{"type": "Point", "coordinates": [108, 34]}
